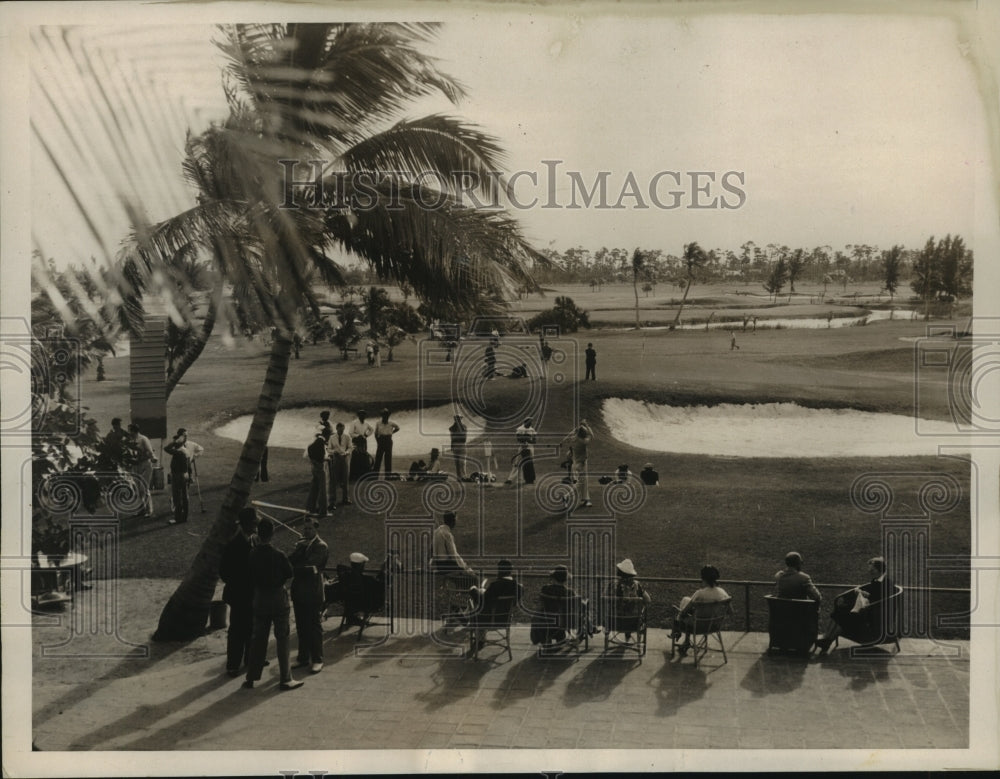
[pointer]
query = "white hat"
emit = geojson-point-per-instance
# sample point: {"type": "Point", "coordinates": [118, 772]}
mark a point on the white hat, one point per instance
{"type": "Point", "coordinates": [626, 567]}
{"type": "Point", "coordinates": [357, 557]}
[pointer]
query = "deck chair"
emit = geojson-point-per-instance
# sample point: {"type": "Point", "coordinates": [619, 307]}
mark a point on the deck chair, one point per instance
{"type": "Point", "coordinates": [567, 620]}
{"type": "Point", "coordinates": [493, 620]}
{"type": "Point", "coordinates": [705, 620]}
{"type": "Point", "coordinates": [875, 624]}
{"type": "Point", "coordinates": [625, 624]}
{"type": "Point", "coordinates": [792, 624]}
{"type": "Point", "coordinates": [362, 595]}
{"type": "Point", "coordinates": [454, 587]}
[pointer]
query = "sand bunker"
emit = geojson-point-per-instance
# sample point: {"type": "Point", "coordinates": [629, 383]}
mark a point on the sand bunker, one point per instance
{"type": "Point", "coordinates": [419, 431]}
{"type": "Point", "coordinates": [768, 430]}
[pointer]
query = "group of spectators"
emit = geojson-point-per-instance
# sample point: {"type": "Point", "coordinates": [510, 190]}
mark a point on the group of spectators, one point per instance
{"type": "Point", "coordinates": [256, 576]}
{"type": "Point", "coordinates": [130, 449]}
{"type": "Point", "coordinates": [791, 582]}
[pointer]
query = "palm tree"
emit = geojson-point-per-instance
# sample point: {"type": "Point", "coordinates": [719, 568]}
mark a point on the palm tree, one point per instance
{"type": "Point", "coordinates": [694, 257]}
{"type": "Point", "coordinates": [302, 92]}
{"type": "Point", "coordinates": [638, 263]}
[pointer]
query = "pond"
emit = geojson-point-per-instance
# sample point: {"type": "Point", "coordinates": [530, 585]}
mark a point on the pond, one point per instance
{"type": "Point", "coordinates": [769, 430]}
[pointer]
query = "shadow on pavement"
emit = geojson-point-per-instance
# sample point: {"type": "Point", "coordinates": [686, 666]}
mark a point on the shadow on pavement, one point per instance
{"type": "Point", "coordinates": [676, 685]}
{"type": "Point", "coordinates": [598, 679]}
{"type": "Point", "coordinates": [775, 675]}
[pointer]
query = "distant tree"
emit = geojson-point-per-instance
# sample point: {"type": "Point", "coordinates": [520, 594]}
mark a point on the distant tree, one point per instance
{"type": "Point", "coordinates": [925, 280]}
{"type": "Point", "coordinates": [638, 263]}
{"type": "Point", "coordinates": [347, 334]}
{"type": "Point", "coordinates": [694, 258]}
{"type": "Point", "coordinates": [647, 288]}
{"type": "Point", "coordinates": [564, 313]}
{"type": "Point", "coordinates": [317, 327]}
{"type": "Point", "coordinates": [892, 260]}
{"type": "Point", "coordinates": [796, 264]}
{"type": "Point", "coordinates": [955, 272]}
{"type": "Point", "coordinates": [777, 279]}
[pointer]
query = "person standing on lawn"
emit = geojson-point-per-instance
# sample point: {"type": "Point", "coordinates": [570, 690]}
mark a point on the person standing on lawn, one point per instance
{"type": "Point", "coordinates": [269, 572]}
{"type": "Point", "coordinates": [525, 436]}
{"type": "Point", "coordinates": [234, 570]}
{"type": "Point", "coordinates": [359, 431]}
{"type": "Point", "coordinates": [459, 435]}
{"type": "Point", "coordinates": [143, 468]}
{"type": "Point", "coordinates": [590, 361]}
{"type": "Point", "coordinates": [180, 476]}
{"type": "Point", "coordinates": [308, 559]}
{"type": "Point", "coordinates": [384, 431]}
{"type": "Point", "coordinates": [317, 503]}
{"type": "Point", "coordinates": [578, 442]}
{"type": "Point", "coordinates": [339, 447]}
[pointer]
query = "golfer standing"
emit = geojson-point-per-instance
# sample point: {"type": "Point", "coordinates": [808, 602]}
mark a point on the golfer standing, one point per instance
{"type": "Point", "coordinates": [590, 362]}
{"type": "Point", "coordinates": [459, 436]}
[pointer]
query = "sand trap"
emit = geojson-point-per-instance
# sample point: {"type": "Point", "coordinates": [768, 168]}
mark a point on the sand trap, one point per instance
{"type": "Point", "coordinates": [768, 430]}
{"type": "Point", "coordinates": [419, 431]}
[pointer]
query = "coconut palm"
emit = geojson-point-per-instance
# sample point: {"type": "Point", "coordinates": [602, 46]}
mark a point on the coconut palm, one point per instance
{"type": "Point", "coordinates": [694, 257]}
{"type": "Point", "coordinates": [303, 92]}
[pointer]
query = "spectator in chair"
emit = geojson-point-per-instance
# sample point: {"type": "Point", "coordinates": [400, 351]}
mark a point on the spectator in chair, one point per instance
{"type": "Point", "coordinates": [628, 586]}
{"type": "Point", "coordinates": [710, 592]}
{"type": "Point", "coordinates": [792, 582]}
{"type": "Point", "coordinates": [542, 632]}
{"type": "Point", "coordinates": [501, 587]}
{"type": "Point", "coordinates": [879, 588]}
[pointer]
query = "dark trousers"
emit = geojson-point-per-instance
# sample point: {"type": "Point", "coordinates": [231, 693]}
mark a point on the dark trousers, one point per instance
{"type": "Point", "coordinates": [528, 470]}
{"type": "Point", "coordinates": [383, 450]}
{"type": "Point", "coordinates": [339, 471]}
{"type": "Point", "coordinates": [309, 626]}
{"type": "Point", "coordinates": [262, 623]}
{"type": "Point", "coordinates": [316, 502]}
{"type": "Point", "coordinates": [240, 632]}
{"type": "Point", "coordinates": [179, 490]}
{"type": "Point", "coordinates": [591, 372]}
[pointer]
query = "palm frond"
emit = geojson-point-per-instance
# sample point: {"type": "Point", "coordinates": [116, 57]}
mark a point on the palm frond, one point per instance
{"type": "Point", "coordinates": [461, 156]}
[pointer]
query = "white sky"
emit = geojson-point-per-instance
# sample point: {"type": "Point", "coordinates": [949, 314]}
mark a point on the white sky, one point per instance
{"type": "Point", "coordinates": [847, 129]}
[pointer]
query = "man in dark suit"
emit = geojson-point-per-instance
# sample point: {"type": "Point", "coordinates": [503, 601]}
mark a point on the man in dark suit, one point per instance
{"type": "Point", "coordinates": [879, 588]}
{"type": "Point", "coordinates": [308, 560]}
{"type": "Point", "coordinates": [234, 570]}
{"type": "Point", "coordinates": [501, 587]}
{"type": "Point", "coordinates": [792, 582]}
{"type": "Point", "coordinates": [269, 571]}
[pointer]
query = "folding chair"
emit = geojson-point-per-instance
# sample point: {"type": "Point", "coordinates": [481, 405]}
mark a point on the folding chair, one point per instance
{"type": "Point", "coordinates": [361, 595]}
{"type": "Point", "coordinates": [703, 620]}
{"type": "Point", "coordinates": [569, 617]}
{"type": "Point", "coordinates": [493, 621]}
{"type": "Point", "coordinates": [625, 618]}
{"type": "Point", "coordinates": [454, 587]}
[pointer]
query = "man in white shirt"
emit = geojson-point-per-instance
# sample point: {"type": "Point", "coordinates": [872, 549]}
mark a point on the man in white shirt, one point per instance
{"type": "Point", "coordinates": [360, 430]}
{"type": "Point", "coordinates": [446, 558]}
{"type": "Point", "coordinates": [340, 447]}
{"type": "Point", "coordinates": [579, 442]}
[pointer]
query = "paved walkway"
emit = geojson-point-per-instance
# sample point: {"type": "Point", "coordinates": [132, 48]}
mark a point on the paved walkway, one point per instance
{"type": "Point", "coordinates": [410, 693]}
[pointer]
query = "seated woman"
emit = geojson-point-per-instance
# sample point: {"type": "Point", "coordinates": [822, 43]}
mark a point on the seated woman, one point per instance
{"type": "Point", "coordinates": [846, 606]}
{"type": "Point", "coordinates": [710, 592]}
{"type": "Point", "coordinates": [627, 585]}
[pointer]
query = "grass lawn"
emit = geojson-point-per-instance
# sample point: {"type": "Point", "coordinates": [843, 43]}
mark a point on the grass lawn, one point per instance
{"type": "Point", "coordinates": [740, 514]}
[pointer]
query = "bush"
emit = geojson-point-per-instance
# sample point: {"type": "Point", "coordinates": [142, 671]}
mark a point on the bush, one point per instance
{"type": "Point", "coordinates": [565, 314]}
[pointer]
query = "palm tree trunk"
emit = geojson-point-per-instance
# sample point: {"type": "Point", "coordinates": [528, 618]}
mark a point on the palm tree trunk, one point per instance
{"type": "Point", "coordinates": [687, 288]}
{"type": "Point", "coordinates": [197, 345]}
{"type": "Point", "coordinates": [635, 290]}
{"type": "Point", "coordinates": [186, 613]}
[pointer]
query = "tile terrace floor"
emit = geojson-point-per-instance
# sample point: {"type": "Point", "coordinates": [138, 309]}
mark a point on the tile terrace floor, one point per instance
{"type": "Point", "coordinates": [413, 694]}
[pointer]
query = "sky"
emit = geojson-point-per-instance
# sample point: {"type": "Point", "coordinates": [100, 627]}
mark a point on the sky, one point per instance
{"type": "Point", "coordinates": [805, 130]}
